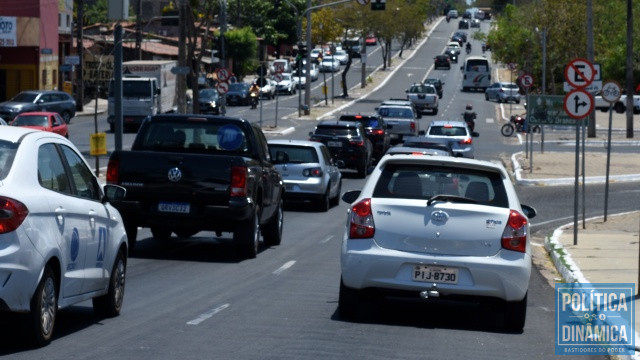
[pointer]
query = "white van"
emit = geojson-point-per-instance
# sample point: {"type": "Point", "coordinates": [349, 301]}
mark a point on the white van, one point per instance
{"type": "Point", "coordinates": [476, 73]}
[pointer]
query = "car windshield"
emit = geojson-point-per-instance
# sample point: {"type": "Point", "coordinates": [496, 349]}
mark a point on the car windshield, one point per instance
{"type": "Point", "coordinates": [397, 112]}
{"type": "Point", "coordinates": [296, 154]}
{"type": "Point", "coordinates": [410, 181]}
{"type": "Point", "coordinates": [421, 89]}
{"type": "Point", "coordinates": [25, 97]}
{"type": "Point", "coordinates": [510, 86]}
{"type": "Point", "coordinates": [365, 121]}
{"type": "Point", "coordinates": [7, 154]}
{"type": "Point", "coordinates": [31, 120]}
{"type": "Point", "coordinates": [447, 130]}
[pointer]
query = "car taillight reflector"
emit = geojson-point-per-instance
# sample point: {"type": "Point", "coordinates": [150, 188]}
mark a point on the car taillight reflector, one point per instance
{"type": "Point", "coordinates": [377, 132]}
{"type": "Point", "coordinates": [361, 221]}
{"type": "Point", "coordinates": [12, 214]}
{"type": "Point", "coordinates": [466, 141]}
{"type": "Point", "coordinates": [412, 126]}
{"type": "Point", "coordinates": [357, 142]}
{"type": "Point", "coordinates": [514, 236]}
{"type": "Point", "coordinates": [238, 186]}
{"type": "Point", "coordinates": [112, 171]}
{"type": "Point", "coordinates": [312, 172]}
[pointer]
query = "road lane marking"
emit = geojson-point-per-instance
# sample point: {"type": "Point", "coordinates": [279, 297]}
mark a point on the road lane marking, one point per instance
{"type": "Point", "coordinates": [284, 267]}
{"type": "Point", "coordinates": [489, 120]}
{"type": "Point", "coordinates": [326, 240]}
{"type": "Point", "coordinates": [207, 315]}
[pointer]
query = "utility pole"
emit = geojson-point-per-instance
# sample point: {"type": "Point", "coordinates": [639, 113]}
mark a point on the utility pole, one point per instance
{"type": "Point", "coordinates": [223, 53]}
{"type": "Point", "coordinates": [79, 49]}
{"type": "Point", "coordinates": [139, 30]}
{"type": "Point", "coordinates": [180, 77]}
{"type": "Point", "coordinates": [629, 74]}
{"type": "Point", "coordinates": [591, 127]}
{"type": "Point", "coordinates": [307, 84]}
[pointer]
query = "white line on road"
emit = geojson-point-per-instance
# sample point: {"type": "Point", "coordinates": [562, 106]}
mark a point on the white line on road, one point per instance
{"type": "Point", "coordinates": [284, 267]}
{"type": "Point", "coordinates": [489, 120]}
{"type": "Point", "coordinates": [326, 240]}
{"type": "Point", "coordinates": [207, 315]}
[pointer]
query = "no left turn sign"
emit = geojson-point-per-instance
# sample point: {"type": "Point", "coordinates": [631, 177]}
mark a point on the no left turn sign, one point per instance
{"type": "Point", "coordinates": [578, 104]}
{"type": "Point", "coordinates": [579, 73]}
{"type": "Point", "coordinates": [223, 74]}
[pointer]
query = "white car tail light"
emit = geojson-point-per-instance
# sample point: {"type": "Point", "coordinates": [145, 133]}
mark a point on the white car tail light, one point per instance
{"type": "Point", "coordinates": [12, 214]}
{"type": "Point", "coordinates": [514, 236]}
{"type": "Point", "coordinates": [361, 222]}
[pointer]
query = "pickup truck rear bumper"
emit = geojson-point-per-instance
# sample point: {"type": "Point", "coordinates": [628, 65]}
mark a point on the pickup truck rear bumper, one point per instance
{"type": "Point", "coordinates": [200, 217]}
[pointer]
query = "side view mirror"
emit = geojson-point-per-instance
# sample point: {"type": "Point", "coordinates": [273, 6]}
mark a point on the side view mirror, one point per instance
{"type": "Point", "coordinates": [350, 196]}
{"type": "Point", "coordinates": [529, 211]}
{"type": "Point", "coordinates": [113, 193]}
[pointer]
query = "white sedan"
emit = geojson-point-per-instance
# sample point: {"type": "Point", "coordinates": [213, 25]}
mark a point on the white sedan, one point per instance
{"type": "Point", "coordinates": [62, 241]}
{"type": "Point", "coordinates": [268, 89]}
{"type": "Point", "coordinates": [329, 64]}
{"type": "Point", "coordinates": [432, 227]}
{"type": "Point", "coordinates": [287, 84]}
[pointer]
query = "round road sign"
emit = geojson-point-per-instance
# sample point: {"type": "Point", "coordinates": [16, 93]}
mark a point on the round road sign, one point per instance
{"type": "Point", "coordinates": [579, 73]}
{"type": "Point", "coordinates": [611, 91]}
{"type": "Point", "coordinates": [222, 87]}
{"type": "Point", "coordinates": [223, 74]}
{"type": "Point", "coordinates": [277, 77]}
{"type": "Point", "coordinates": [526, 80]}
{"type": "Point", "coordinates": [578, 104]}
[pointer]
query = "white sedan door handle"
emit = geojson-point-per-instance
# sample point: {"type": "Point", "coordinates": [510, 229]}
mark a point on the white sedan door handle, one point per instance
{"type": "Point", "coordinates": [92, 218]}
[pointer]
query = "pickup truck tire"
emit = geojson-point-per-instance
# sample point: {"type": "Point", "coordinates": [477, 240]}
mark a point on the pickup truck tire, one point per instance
{"type": "Point", "coordinates": [435, 111]}
{"type": "Point", "coordinates": [348, 302]}
{"type": "Point", "coordinates": [619, 107]}
{"type": "Point", "coordinates": [110, 304]}
{"type": "Point", "coordinates": [246, 236]}
{"type": "Point", "coordinates": [161, 233]}
{"type": "Point", "coordinates": [132, 234]}
{"type": "Point", "coordinates": [272, 232]}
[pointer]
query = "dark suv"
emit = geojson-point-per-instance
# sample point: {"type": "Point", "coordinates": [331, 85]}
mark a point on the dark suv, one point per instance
{"type": "Point", "coordinates": [376, 131]}
{"type": "Point", "coordinates": [437, 83]}
{"type": "Point", "coordinates": [39, 100]}
{"type": "Point", "coordinates": [347, 143]}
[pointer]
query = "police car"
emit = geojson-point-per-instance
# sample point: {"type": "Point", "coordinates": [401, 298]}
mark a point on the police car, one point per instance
{"type": "Point", "coordinates": [61, 242]}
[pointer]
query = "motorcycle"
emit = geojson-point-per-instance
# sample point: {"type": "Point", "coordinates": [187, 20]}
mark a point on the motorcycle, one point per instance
{"type": "Point", "coordinates": [448, 18]}
{"type": "Point", "coordinates": [470, 119]}
{"type": "Point", "coordinates": [517, 123]}
{"type": "Point", "coordinates": [468, 50]}
{"type": "Point", "coordinates": [484, 48]}
{"type": "Point", "coordinates": [254, 100]}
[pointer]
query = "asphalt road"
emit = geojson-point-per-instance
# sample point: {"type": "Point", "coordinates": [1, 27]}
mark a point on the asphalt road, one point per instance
{"type": "Point", "coordinates": [194, 299]}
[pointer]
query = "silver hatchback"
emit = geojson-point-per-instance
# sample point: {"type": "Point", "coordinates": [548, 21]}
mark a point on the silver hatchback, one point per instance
{"type": "Point", "coordinates": [308, 172]}
{"type": "Point", "coordinates": [503, 92]}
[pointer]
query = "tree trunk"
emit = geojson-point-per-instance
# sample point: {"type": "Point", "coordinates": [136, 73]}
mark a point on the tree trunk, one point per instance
{"type": "Point", "coordinates": [344, 77]}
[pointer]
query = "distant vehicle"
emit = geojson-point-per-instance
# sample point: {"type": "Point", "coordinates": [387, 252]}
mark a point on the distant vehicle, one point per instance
{"type": "Point", "coordinates": [455, 132]}
{"type": "Point", "coordinates": [437, 83]}
{"type": "Point", "coordinates": [458, 39]}
{"type": "Point", "coordinates": [619, 106]}
{"type": "Point", "coordinates": [503, 92]}
{"type": "Point", "coordinates": [376, 131]}
{"type": "Point", "coordinates": [329, 64]}
{"type": "Point", "coordinates": [462, 34]}
{"type": "Point", "coordinates": [463, 24]}
{"type": "Point", "coordinates": [475, 23]}
{"type": "Point", "coordinates": [370, 40]}
{"type": "Point", "coordinates": [238, 94]}
{"type": "Point", "coordinates": [466, 14]}
{"type": "Point", "coordinates": [442, 61]}
{"type": "Point", "coordinates": [341, 56]}
{"type": "Point", "coordinates": [476, 72]}
{"type": "Point", "coordinates": [45, 121]}
{"type": "Point", "coordinates": [452, 54]}
{"type": "Point", "coordinates": [63, 243]}
{"type": "Point", "coordinates": [308, 172]}
{"type": "Point", "coordinates": [39, 100]}
{"type": "Point", "coordinates": [424, 97]}
{"type": "Point", "coordinates": [438, 229]}
{"type": "Point", "coordinates": [267, 88]}
{"type": "Point", "coordinates": [209, 101]}
{"type": "Point", "coordinates": [287, 85]}
{"type": "Point", "coordinates": [315, 53]}
{"type": "Point", "coordinates": [347, 142]}
{"type": "Point", "coordinates": [454, 46]}
{"type": "Point", "coordinates": [453, 14]}
{"type": "Point", "coordinates": [283, 64]}
{"type": "Point", "coordinates": [353, 45]}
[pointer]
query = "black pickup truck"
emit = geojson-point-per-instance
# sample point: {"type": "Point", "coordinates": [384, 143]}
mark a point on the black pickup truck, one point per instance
{"type": "Point", "coordinates": [191, 173]}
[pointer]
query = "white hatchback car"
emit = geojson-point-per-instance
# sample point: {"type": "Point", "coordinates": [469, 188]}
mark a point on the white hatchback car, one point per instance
{"type": "Point", "coordinates": [433, 227]}
{"type": "Point", "coordinates": [61, 242]}
{"type": "Point", "coordinates": [308, 172]}
{"type": "Point", "coordinates": [457, 133]}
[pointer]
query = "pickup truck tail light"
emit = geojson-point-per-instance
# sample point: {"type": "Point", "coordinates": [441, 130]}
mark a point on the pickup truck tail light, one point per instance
{"type": "Point", "coordinates": [361, 224]}
{"type": "Point", "coordinates": [514, 236]}
{"type": "Point", "coordinates": [112, 172]}
{"type": "Point", "coordinates": [238, 186]}
{"type": "Point", "coordinates": [12, 214]}
{"type": "Point", "coordinates": [376, 131]}
{"type": "Point", "coordinates": [413, 127]}
{"type": "Point", "coordinates": [312, 172]}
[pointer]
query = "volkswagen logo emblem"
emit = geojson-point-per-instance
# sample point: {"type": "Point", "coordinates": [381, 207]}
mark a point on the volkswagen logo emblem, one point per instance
{"type": "Point", "coordinates": [439, 217]}
{"type": "Point", "coordinates": [174, 174]}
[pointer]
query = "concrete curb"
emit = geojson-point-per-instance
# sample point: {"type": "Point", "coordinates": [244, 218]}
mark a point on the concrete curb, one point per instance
{"type": "Point", "coordinates": [571, 272]}
{"type": "Point", "coordinates": [517, 169]}
{"type": "Point", "coordinates": [286, 131]}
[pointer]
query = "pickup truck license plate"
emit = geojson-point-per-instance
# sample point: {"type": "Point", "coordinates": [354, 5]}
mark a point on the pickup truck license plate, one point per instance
{"type": "Point", "coordinates": [436, 274]}
{"type": "Point", "coordinates": [173, 207]}
{"type": "Point", "coordinates": [334, 143]}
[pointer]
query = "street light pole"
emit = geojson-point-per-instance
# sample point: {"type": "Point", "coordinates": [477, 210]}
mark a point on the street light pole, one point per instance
{"type": "Point", "coordinates": [223, 55]}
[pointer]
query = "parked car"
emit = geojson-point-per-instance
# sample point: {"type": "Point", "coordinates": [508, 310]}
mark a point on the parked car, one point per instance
{"type": "Point", "coordinates": [39, 100]}
{"type": "Point", "coordinates": [436, 228]}
{"type": "Point", "coordinates": [455, 132]}
{"type": "Point", "coordinates": [209, 101]}
{"type": "Point", "coordinates": [503, 92]}
{"type": "Point", "coordinates": [308, 172]}
{"type": "Point", "coordinates": [329, 64]}
{"type": "Point", "coordinates": [287, 85]}
{"type": "Point", "coordinates": [238, 94]}
{"type": "Point", "coordinates": [376, 131]}
{"type": "Point", "coordinates": [442, 61]}
{"type": "Point", "coordinates": [437, 83]}
{"type": "Point", "coordinates": [463, 24]}
{"type": "Point", "coordinates": [45, 121]}
{"type": "Point", "coordinates": [347, 142]}
{"type": "Point", "coordinates": [53, 259]}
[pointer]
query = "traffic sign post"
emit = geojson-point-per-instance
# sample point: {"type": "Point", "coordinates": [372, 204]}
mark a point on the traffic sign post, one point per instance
{"type": "Point", "coordinates": [610, 93]}
{"type": "Point", "coordinates": [578, 104]}
{"type": "Point", "coordinates": [526, 81]}
{"type": "Point", "coordinates": [223, 74]}
{"type": "Point", "coordinates": [222, 87]}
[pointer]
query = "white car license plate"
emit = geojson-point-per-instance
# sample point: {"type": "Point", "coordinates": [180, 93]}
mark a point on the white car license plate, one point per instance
{"type": "Point", "coordinates": [334, 143]}
{"type": "Point", "coordinates": [436, 274]}
{"type": "Point", "coordinates": [173, 207]}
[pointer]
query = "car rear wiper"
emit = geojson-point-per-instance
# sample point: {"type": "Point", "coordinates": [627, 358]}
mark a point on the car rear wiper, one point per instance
{"type": "Point", "coordinates": [450, 198]}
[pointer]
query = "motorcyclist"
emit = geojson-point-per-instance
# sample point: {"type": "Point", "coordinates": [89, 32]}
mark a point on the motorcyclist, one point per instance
{"type": "Point", "coordinates": [468, 47]}
{"type": "Point", "coordinates": [470, 117]}
{"type": "Point", "coordinates": [254, 92]}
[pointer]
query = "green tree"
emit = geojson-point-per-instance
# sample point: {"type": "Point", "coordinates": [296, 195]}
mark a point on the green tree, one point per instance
{"type": "Point", "coordinates": [242, 48]}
